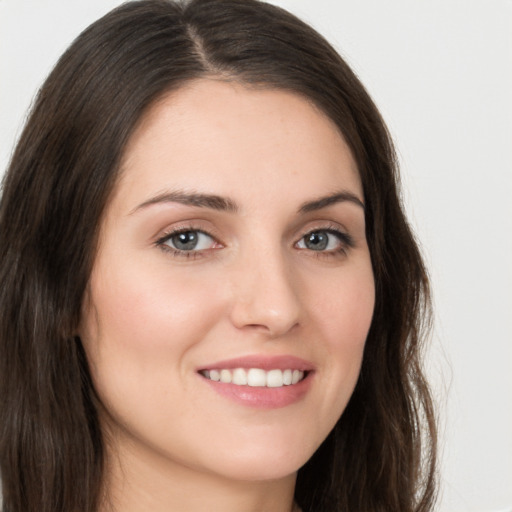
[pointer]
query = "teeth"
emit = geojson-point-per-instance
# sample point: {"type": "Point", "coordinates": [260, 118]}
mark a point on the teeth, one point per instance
{"type": "Point", "coordinates": [255, 377]}
{"type": "Point", "coordinates": [225, 376]}
{"type": "Point", "coordinates": [275, 379]}
{"type": "Point", "coordinates": [239, 377]}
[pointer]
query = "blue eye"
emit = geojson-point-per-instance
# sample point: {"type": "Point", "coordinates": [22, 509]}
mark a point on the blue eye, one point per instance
{"type": "Point", "coordinates": [188, 241]}
{"type": "Point", "coordinates": [324, 240]}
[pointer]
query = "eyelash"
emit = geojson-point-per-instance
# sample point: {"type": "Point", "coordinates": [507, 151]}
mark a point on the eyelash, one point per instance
{"type": "Point", "coordinates": [346, 242]}
{"type": "Point", "coordinates": [161, 242]}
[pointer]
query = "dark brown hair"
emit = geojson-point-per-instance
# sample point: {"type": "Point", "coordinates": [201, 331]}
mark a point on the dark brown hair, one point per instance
{"type": "Point", "coordinates": [381, 454]}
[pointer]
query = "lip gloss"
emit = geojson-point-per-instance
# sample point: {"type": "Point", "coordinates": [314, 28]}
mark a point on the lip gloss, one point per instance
{"type": "Point", "coordinates": [262, 397]}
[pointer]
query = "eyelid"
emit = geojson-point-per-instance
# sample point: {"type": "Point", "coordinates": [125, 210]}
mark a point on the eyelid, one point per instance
{"type": "Point", "coordinates": [330, 227]}
{"type": "Point", "coordinates": [185, 227]}
{"type": "Point", "coordinates": [345, 238]}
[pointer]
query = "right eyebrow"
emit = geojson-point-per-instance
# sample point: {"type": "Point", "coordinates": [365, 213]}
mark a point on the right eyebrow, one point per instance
{"type": "Point", "coordinates": [211, 201]}
{"type": "Point", "coordinates": [324, 202]}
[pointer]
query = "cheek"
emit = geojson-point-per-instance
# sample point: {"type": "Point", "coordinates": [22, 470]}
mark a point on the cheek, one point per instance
{"type": "Point", "coordinates": [343, 315]}
{"type": "Point", "coordinates": [146, 310]}
{"type": "Point", "coordinates": [141, 330]}
{"type": "Point", "coordinates": [139, 334]}
{"type": "Point", "coordinates": [344, 306]}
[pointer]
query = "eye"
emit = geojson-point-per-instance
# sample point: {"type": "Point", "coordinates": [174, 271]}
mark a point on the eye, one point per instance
{"type": "Point", "coordinates": [325, 240]}
{"type": "Point", "coordinates": [188, 241]}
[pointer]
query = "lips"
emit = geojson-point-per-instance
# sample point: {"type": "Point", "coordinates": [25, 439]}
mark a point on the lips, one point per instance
{"type": "Point", "coordinates": [260, 381]}
{"type": "Point", "coordinates": [282, 362]}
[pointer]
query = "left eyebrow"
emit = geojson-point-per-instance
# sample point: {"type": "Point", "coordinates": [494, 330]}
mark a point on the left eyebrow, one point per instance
{"type": "Point", "coordinates": [211, 201]}
{"type": "Point", "coordinates": [324, 202]}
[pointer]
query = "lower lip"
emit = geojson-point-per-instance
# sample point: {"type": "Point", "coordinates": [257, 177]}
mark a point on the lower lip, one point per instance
{"type": "Point", "coordinates": [263, 397]}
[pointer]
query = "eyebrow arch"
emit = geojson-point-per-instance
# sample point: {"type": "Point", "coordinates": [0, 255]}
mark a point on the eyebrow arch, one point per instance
{"type": "Point", "coordinates": [324, 202]}
{"type": "Point", "coordinates": [211, 201]}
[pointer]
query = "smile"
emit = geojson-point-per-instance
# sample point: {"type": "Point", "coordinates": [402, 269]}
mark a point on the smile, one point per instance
{"type": "Point", "coordinates": [260, 380]}
{"type": "Point", "coordinates": [255, 377]}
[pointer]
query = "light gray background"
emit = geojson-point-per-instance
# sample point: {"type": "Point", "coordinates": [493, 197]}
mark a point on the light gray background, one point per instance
{"type": "Point", "coordinates": [441, 73]}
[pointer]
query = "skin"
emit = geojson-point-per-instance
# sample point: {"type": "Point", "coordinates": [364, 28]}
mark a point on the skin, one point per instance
{"type": "Point", "coordinates": [152, 317]}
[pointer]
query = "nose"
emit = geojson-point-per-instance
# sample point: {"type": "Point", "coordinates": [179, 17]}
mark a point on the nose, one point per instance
{"type": "Point", "coordinates": [265, 294]}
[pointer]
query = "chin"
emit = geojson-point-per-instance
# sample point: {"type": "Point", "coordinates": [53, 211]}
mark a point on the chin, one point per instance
{"type": "Point", "coordinates": [260, 471]}
{"type": "Point", "coordinates": [260, 464]}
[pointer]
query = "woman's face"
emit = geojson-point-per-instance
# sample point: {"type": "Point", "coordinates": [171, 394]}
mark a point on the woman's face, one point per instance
{"type": "Point", "coordinates": [233, 248]}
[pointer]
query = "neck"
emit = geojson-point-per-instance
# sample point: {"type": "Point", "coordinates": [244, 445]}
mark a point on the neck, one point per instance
{"type": "Point", "coordinates": [138, 482]}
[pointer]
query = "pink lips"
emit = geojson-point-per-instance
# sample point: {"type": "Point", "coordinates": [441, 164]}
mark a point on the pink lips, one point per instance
{"type": "Point", "coordinates": [263, 362]}
{"type": "Point", "coordinates": [262, 397]}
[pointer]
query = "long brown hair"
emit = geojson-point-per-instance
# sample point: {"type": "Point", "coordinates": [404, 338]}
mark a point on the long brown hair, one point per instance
{"type": "Point", "coordinates": [381, 454]}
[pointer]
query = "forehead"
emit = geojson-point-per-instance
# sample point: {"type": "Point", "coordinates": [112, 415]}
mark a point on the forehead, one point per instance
{"type": "Point", "coordinates": [226, 137]}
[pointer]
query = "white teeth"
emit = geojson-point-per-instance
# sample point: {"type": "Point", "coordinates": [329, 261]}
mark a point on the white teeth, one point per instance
{"type": "Point", "coordinates": [274, 379]}
{"type": "Point", "coordinates": [239, 377]}
{"type": "Point", "coordinates": [225, 376]}
{"type": "Point", "coordinates": [255, 377]}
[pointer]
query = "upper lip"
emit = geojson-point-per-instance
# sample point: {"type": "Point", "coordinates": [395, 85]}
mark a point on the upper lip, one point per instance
{"type": "Point", "coordinates": [281, 362]}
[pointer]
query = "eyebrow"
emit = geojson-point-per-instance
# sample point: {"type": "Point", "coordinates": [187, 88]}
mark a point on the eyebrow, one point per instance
{"type": "Point", "coordinates": [220, 203]}
{"type": "Point", "coordinates": [211, 201]}
{"type": "Point", "coordinates": [324, 202]}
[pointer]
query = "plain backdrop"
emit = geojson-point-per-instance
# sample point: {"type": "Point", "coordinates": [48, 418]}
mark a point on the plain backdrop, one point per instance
{"type": "Point", "coordinates": [441, 73]}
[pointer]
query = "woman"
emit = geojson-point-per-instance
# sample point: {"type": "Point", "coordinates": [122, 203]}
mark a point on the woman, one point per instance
{"type": "Point", "coordinates": [179, 334]}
